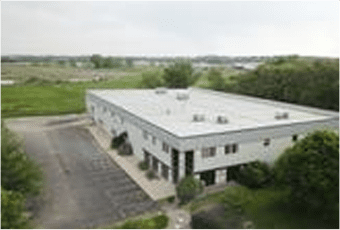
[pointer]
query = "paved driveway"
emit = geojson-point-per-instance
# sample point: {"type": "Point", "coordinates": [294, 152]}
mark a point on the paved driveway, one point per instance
{"type": "Point", "coordinates": [84, 188]}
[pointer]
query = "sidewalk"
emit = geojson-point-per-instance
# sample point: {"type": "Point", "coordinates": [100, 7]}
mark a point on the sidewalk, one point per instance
{"type": "Point", "coordinates": [156, 188]}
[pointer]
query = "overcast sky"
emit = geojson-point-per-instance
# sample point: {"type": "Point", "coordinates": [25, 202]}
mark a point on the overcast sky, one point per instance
{"type": "Point", "coordinates": [170, 28]}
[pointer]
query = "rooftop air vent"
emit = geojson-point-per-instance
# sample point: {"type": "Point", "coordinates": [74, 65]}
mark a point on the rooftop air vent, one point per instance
{"type": "Point", "coordinates": [281, 115]}
{"type": "Point", "coordinates": [198, 118]}
{"type": "Point", "coordinates": [221, 120]}
{"type": "Point", "coordinates": [160, 90]}
{"type": "Point", "coordinates": [182, 96]}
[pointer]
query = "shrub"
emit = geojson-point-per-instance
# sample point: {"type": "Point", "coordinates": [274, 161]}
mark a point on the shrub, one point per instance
{"type": "Point", "coordinates": [12, 210]}
{"type": "Point", "coordinates": [143, 165]}
{"type": "Point", "coordinates": [18, 171]}
{"type": "Point", "coordinates": [151, 175]}
{"type": "Point", "coordinates": [188, 188]}
{"type": "Point", "coordinates": [125, 149]}
{"type": "Point", "coordinates": [171, 199]}
{"type": "Point", "coordinates": [119, 140]}
{"type": "Point", "coordinates": [255, 175]}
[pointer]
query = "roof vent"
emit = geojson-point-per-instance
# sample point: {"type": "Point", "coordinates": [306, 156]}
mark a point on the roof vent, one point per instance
{"type": "Point", "coordinates": [221, 120]}
{"type": "Point", "coordinates": [160, 90]}
{"type": "Point", "coordinates": [281, 115]}
{"type": "Point", "coordinates": [198, 118]}
{"type": "Point", "coordinates": [182, 96]}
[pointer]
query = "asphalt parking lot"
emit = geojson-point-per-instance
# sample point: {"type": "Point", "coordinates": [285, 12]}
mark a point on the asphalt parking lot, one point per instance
{"type": "Point", "coordinates": [84, 187]}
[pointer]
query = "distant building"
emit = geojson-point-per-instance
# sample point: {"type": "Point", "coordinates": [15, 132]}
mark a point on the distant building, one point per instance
{"type": "Point", "coordinates": [203, 132]}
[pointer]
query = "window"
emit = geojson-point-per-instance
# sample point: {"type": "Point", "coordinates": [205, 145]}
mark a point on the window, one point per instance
{"type": "Point", "coordinates": [208, 152]}
{"type": "Point", "coordinates": [235, 148]}
{"type": "Point", "coordinates": [145, 135]}
{"type": "Point", "coordinates": [227, 149]}
{"type": "Point", "coordinates": [104, 109]}
{"type": "Point", "coordinates": [295, 137]}
{"type": "Point", "coordinates": [153, 140]}
{"type": "Point", "coordinates": [231, 148]}
{"type": "Point", "coordinates": [112, 113]}
{"type": "Point", "coordinates": [165, 147]}
{"type": "Point", "coordinates": [266, 142]}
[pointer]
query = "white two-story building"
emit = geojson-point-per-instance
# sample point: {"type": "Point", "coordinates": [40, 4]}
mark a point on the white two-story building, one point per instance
{"type": "Point", "coordinates": [203, 132]}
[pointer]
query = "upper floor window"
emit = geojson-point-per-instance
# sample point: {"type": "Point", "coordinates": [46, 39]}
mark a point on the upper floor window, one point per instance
{"type": "Point", "coordinates": [227, 149]}
{"type": "Point", "coordinates": [266, 142]}
{"type": "Point", "coordinates": [153, 140]}
{"type": "Point", "coordinates": [208, 152]}
{"type": "Point", "coordinates": [145, 135]}
{"type": "Point", "coordinates": [234, 148]}
{"type": "Point", "coordinates": [166, 147]}
{"type": "Point", "coordinates": [104, 109]}
{"type": "Point", "coordinates": [230, 148]}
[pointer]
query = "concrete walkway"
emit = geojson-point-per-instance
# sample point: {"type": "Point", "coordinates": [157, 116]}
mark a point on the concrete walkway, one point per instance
{"type": "Point", "coordinates": [156, 188]}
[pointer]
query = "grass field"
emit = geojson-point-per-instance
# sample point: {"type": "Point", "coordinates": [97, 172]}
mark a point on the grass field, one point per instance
{"type": "Point", "coordinates": [52, 99]}
{"type": "Point", "coordinates": [43, 90]}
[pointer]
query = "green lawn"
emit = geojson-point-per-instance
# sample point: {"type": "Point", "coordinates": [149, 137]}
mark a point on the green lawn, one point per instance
{"type": "Point", "coordinates": [52, 99]}
{"type": "Point", "coordinates": [157, 222]}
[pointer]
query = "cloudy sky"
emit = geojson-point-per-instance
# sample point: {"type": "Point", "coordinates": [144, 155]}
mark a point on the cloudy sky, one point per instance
{"type": "Point", "coordinates": [170, 28]}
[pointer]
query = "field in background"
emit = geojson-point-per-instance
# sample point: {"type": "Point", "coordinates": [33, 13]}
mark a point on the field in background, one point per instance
{"type": "Point", "coordinates": [52, 89]}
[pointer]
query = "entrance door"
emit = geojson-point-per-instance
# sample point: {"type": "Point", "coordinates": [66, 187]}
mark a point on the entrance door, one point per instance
{"type": "Point", "coordinates": [174, 163]}
{"type": "Point", "coordinates": [208, 177]}
{"type": "Point", "coordinates": [155, 164]}
{"type": "Point", "coordinates": [147, 158]}
{"type": "Point", "coordinates": [189, 163]}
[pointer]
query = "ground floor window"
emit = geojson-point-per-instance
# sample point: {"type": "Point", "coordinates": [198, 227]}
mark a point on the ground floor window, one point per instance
{"type": "Point", "coordinates": [208, 177]}
{"type": "Point", "coordinates": [165, 171]}
{"type": "Point", "coordinates": [155, 164]}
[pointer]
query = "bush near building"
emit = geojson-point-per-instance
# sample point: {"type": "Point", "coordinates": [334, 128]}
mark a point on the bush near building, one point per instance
{"type": "Point", "coordinates": [118, 141]}
{"type": "Point", "coordinates": [143, 165]}
{"type": "Point", "coordinates": [20, 178]}
{"type": "Point", "coordinates": [310, 169]}
{"type": "Point", "coordinates": [188, 188]}
{"type": "Point", "coordinates": [255, 175]}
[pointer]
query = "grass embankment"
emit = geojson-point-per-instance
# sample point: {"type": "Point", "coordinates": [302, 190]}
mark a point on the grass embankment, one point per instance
{"type": "Point", "coordinates": [157, 222]}
{"type": "Point", "coordinates": [265, 208]}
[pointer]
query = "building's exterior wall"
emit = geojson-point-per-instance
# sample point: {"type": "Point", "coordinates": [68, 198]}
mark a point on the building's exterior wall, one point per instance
{"type": "Point", "coordinates": [250, 141]}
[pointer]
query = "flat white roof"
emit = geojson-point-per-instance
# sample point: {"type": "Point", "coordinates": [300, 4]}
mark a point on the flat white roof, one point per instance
{"type": "Point", "coordinates": [176, 116]}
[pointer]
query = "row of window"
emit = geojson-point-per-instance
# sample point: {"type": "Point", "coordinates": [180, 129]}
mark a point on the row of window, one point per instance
{"type": "Point", "coordinates": [165, 146]}
{"type": "Point", "coordinates": [211, 151]}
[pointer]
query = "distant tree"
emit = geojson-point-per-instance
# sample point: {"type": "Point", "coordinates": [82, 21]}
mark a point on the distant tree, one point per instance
{"type": "Point", "coordinates": [97, 60]}
{"type": "Point", "coordinates": [151, 79]}
{"type": "Point", "coordinates": [180, 74]}
{"type": "Point", "coordinates": [112, 62]}
{"type": "Point", "coordinates": [311, 170]}
{"type": "Point", "coordinates": [61, 62]}
{"type": "Point", "coordinates": [215, 78]}
{"type": "Point", "coordinates": [129, 62]}
{"type": "Point", "coordinates": [73, 63]}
